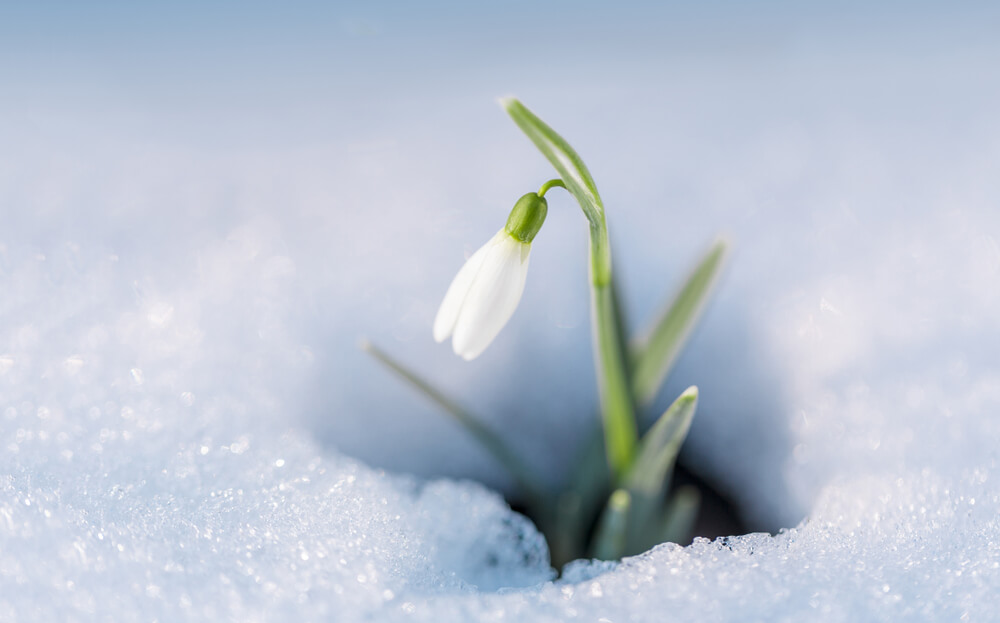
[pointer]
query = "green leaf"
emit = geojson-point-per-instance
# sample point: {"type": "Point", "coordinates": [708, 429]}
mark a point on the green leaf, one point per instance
{"type": "Point", "coordinates": [647, 480]}
{"type": "Point", "coordinates": [577, 178]}
{"type": "Point", "coordinates": [659, 447]}
{"type": "Point", "coordinates": [615, 388]}
{"type": "Point", "coordinates": [620, 429]}
{"type": "Point", "coordinates": [680, 515]}
{"type": "Point", "coordinates": [590, 480]}
{"type": "Point", "coordinates": [580, 503]}
{"type": "Point", "coordinates": [610, 538]}
{"type": "Point", "coordinates": [655, 353]}
{"type": "Point", "coordinates": [479, 431]}
{"type": "Point", "coordinates": [621, 325]}
{"type": "Point", "coordinates": [570, 166]}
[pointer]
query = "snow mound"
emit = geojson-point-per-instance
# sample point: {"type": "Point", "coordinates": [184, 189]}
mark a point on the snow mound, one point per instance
{"type": "Point", "coordinates": [149, 472]}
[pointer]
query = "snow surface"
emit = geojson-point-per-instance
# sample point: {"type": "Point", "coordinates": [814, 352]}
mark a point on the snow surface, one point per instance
{"type": "Point", "coordinates": [188, 431]}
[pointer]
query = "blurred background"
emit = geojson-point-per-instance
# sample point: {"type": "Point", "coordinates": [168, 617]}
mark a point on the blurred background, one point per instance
{"type": "Point", "coordinates": [263, 184]}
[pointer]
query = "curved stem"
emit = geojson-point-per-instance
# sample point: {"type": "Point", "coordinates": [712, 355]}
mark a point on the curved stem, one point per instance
{"type": "Point", "coordinates": [550, 184]}
{"type": "Point", "coordinates": [621, 434]}
{"type": "Point", "coordinates": [620, 431]}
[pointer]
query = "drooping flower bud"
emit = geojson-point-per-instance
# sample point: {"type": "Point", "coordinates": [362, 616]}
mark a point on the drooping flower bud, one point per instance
{"type": "Point", "coordinates": [487, 289]}
{"type": "Point", "coordinates": [527, 217]}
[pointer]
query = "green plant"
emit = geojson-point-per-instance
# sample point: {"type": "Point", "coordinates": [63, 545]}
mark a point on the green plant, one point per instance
{"type": "Point", "coordinates": [617, 502]}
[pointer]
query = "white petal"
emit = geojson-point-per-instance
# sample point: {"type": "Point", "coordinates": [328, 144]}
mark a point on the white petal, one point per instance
{"type": "Point", "coordinates": [493, 296]}
{"type": "Point", "coordinates": [451, 306]}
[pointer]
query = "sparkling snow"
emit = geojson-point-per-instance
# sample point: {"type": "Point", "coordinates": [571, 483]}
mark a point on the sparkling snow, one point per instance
{"type": "Point", "coordinates": [189, 432]}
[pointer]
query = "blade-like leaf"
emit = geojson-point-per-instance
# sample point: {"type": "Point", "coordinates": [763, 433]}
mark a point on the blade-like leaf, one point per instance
{"type": "Point", "coordinates": [621, 324]}
{"type": "Point", "coordinates": [570, 166]}
{"type": "Point", "coordinates": [650, 474]}
{"type": "Point", "coordinates": [656, 351]}
{"type": "Point", "coordinates": [480, 432]}
{"type": "Point", "coordinates": [586, 493]}
{"type": "Point", "coordinates": [610, 538]}
{"type": "Point", "coordinates": [578, 182]}
{"type": "Point", "coordinates": [680, 515]}
{"type": "Point", "coordinates": [615, 387]}
{"type": "Point", "coordinates": [659, 447]}
{"type": "Point", "coordinates": [620, 428]}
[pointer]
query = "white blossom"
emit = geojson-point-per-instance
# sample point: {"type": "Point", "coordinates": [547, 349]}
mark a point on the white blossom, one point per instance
{"type": "Point", "coordinates": [483, 295]}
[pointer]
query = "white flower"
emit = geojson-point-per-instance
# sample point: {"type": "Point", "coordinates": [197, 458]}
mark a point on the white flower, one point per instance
{"type": "Point", "coordinates": [483, 295]}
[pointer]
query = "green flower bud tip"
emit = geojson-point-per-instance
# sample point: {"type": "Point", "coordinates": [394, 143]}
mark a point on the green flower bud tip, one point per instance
{"type": "Point", "coordinates": [527, 217]}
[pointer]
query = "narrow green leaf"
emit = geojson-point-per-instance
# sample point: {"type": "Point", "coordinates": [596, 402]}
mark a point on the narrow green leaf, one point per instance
{"type": "Point", "coordinates": [614, 385]}
{"type": "Point", "coordinates": [655, 352]}
{"type": "Point", "coordinates": [621, 326]}
{"type": "Point", "coordinates": [570, 166]}
{"type": "Point", "coordinates": [680, 515]}
{"type": "Point", "coordinates": [580, 503]}
{"type": "Point", "coordinates": [575, 176]}
{"type": "Point", "coordinates": [609, 540]}
{"type": "Point", "coordinates": [620, 429]}
{"type": "Point", "coordinates": [565, 538]}
{"type": "Point", "coordinates": [659, 447]}
{"type": "Point", "coordinates": [650, 473]}
{"type": "Point", "coordinates": [480, 432]}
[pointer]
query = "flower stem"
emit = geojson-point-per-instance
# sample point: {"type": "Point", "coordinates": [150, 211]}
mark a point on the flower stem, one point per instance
{"type": "Point", "coordinates": [550, 184]}
{"type": "Point", "coordinates": [620, 434]}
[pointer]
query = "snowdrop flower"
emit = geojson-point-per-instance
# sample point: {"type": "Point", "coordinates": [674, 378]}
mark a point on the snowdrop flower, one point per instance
{"type": "Point", "coordinates": [487, 289]}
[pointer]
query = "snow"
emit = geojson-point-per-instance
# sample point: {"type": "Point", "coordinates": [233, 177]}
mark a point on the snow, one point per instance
{"type": "Point", "coordinates": [189, 432]}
